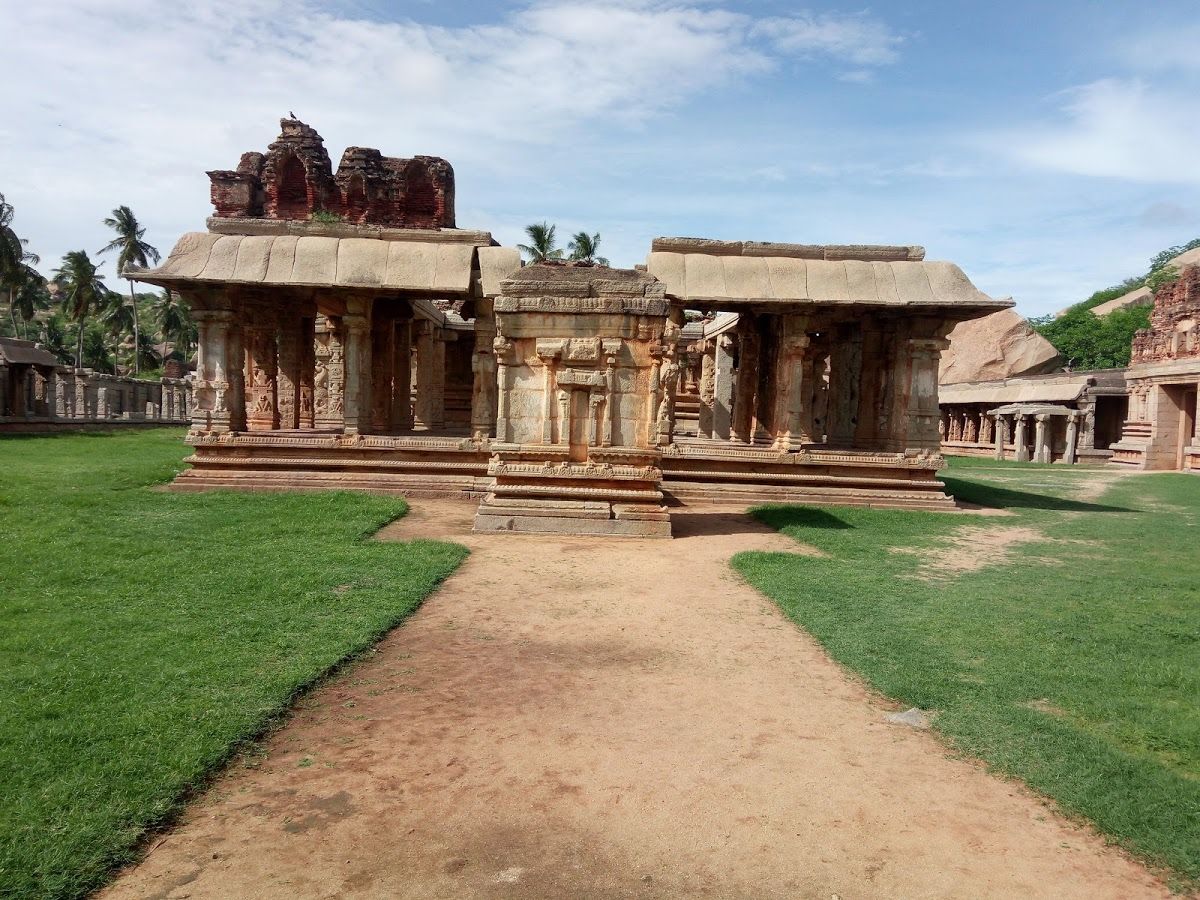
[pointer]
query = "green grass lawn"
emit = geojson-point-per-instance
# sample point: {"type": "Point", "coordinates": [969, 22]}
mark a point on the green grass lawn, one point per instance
{"type": "Point", "coordinates": [1073, 664]}
{"type": "Point", "coordinates": [147, 635]}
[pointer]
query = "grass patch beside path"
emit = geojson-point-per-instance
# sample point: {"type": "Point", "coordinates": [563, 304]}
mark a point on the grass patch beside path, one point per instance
{"type": "Point", "coordinates": [1071, 661]}
{"type": "Point", "coordinates": [147, 634]}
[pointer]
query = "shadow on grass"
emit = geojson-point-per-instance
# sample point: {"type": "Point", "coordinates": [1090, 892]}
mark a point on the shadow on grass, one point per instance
{"type": "Point", "coordinates": [1006, 498]}
{"type": "Point", "coordinates": [780, 517]}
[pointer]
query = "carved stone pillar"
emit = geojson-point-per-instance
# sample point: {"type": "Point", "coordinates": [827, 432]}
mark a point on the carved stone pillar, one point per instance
{"type": "Point", "coordinates": [1021, 439]}
{"type": "Point", "coordinates": [63, 395]}
{"type": "Point", "coordinates": [1072, 437]}
{"type": "Point", "coordinates": [402, 411]}
{"type": "Point", "coordinates": [483, 371]}
{"type": "Point", "coordinates": [746, 390]}
{"type": "Point", "coordinates": [438, 381]}
{"type": "Point", "coordinates": [80, 409]}
{"type": "Point", "coordinates": [845, 375]}
{"type": "Point", "coordinates": [306, 352]}
{"type": "Point", "coordinates": [1001, 435]}
{"type": "Point", "coordinates": [425, 379]}
{"type": "Point", "coordinates": [707, 393]}
{"type": "Point", "coordinates": [262, 413]}
{"type": "Point", "coordinates": [792, 425]}
{"type": "Point", "coordinates": [383, 362]}
{"type": "Point", "coordinates": [287, 381]}
{"type": "Point", "coordinates": [1041, 438]}
{"type": "Point", "coordinates": [668, 380]}
{"type": "Point", "coordinates": [722, 404]}
{"type": "Point", "coordinates": [356, 404]}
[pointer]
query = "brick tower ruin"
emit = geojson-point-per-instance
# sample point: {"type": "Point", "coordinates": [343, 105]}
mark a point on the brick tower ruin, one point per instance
{"type": "Point", "coordinates": [294, 180]}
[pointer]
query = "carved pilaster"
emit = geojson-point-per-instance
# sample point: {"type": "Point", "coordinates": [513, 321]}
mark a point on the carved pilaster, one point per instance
{"type": "Point", "coordinates": [502, 347]}
{"type": "Point", "coordinates": [329, 375]}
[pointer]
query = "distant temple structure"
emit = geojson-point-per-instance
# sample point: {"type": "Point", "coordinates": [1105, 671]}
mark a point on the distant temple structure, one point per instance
{"type": "Point", "coordinates": [1164, 376]}
{"type": "Point", "coordinates": [352, 336]}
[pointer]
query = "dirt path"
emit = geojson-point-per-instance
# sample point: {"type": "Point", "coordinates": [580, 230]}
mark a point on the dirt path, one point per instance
{"type": "Point", "coordinates": [584, 718]}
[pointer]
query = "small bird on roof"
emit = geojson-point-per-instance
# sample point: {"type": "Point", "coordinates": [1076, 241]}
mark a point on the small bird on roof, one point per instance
{"type": "Point", "coordinates": [292, 114]}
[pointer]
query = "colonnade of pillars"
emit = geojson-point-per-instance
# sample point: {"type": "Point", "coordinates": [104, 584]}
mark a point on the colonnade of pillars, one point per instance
{"type": "Point", "coordinates": [787, 382]}
{"type": "Point", "coordinates": [286, 366]}
{"type": "Point", "coordinates": [64, 394]}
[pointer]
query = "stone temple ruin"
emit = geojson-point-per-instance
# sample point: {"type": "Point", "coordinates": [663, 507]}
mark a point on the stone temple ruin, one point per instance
{"type": "Point", "coordinates": [1161, 429]}
{"type": "Point", "coordinates": [352, 336]}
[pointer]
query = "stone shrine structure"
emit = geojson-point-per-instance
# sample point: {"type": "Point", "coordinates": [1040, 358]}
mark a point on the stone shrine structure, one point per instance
{"type": "Point", "coordinates": [818, 371]}
{"type": "Point", "coordinates": [351, 336]}
{"type": "Point", "coordinates": [1081, 416]}
{"type": "Point", "coordinates": [585, 360]}
{"type": "Point", "coordinates": [1164, 376]}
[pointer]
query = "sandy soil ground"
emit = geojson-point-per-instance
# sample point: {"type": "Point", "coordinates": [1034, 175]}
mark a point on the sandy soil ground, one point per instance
{"type": "Point", "coordinates": [613, 718]}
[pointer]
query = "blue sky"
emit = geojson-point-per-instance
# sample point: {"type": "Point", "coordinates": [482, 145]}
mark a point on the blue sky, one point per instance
{"type": "Point", "coordinates": [1048, 148]}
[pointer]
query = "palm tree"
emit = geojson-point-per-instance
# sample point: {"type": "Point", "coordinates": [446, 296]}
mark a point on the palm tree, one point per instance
{"type": "Point", "coordinates": [175, 322]}
{"type": "Point", "coordinates": [15, 261]}
{"type": "Point", "coordinates": [83, 292]}
{"type": "Point", "coordinates": [541, 243]}
{"type": "Point", "coordinates": [585, 247]}
{"type": "Point", "coordinates": [118, 319]}
{"type": "Point", "coordinates": [30, 297]}
{"type": "Point", "coordinates": [130, 249]}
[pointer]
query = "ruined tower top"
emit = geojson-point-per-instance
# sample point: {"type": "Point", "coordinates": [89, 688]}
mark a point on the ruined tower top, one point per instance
{"type": "Point", "coordinates": [294, 179]}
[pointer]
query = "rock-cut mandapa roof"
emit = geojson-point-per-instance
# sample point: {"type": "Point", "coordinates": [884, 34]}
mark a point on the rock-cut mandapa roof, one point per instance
{"type": "Point", "coordinates": [442, 261]}
{"type": "Point", "coordinates": [723, 274]}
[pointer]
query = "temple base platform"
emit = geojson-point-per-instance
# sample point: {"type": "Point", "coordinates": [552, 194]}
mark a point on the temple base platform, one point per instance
{"type": "Point", "coordinates": [414, 465]}
{"type": "Point", "coordinates": [704, 471]}
{"type": "Point", "coordinates": [615, 492]}
{"type": "Point", "coordinates": [521, 494]}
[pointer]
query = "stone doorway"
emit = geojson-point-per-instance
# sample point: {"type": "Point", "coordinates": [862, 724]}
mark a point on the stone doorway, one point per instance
{"type": "Point", "coordinates": [1187, 424]}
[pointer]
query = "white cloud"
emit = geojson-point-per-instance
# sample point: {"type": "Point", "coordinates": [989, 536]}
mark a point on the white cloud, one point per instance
{"type": "Point", "coordinates": [131, 100]}
{"type": "Point", "coordinates": [856, 39]}
{"type": "Point", "coordinates": [1163, 49]}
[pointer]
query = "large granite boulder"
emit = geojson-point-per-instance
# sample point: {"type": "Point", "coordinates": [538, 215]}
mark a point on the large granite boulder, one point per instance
{"type": "Point", "coordinates": [1000, 345]}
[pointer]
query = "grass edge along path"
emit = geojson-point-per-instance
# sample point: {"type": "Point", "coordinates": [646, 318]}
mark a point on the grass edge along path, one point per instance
{"type": "Point", "coordinates": [1069, 664]}
{"type": "Point", "coordinates": [150, 635]}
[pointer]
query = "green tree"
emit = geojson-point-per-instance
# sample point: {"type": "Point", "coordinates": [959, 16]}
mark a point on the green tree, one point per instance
{"type": "Point", "coordinates": [83, 292]}
{"type": "Point", "coordinates": [541, 246]}
{"type": "Point", "coordinates": [175, 322]}
{"type": "Point", "coordinates": [131, 249]}
{"type": "Point", "coordinates": [1088, 341]}
{"type": "Point", "coordinates": [16, 263]}
{"type": "Point", "coordinates": [586, 248]}
{"type": "Point", "coordinates": [29, 298]}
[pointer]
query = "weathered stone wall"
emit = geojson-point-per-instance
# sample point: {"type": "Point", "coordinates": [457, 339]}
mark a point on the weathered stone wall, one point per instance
{"type": "Point", "coordinates": [64, 397]}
